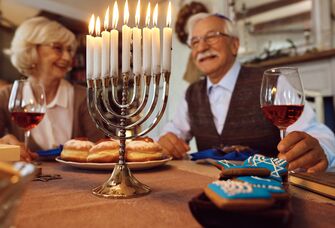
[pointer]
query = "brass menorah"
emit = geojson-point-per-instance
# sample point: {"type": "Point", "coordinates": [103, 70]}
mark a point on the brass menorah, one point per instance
{"type": "Point", "coordinates": [102, 96]}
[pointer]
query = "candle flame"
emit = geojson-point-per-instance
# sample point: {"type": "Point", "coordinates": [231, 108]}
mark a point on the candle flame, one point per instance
{"type": "Point", "coordinates": [106, 21]}
{"type": "Point", "coordinates": [155, 15]}
{"type": "Point", "coordinates": [168, 16]}
{"type": "Point", "coordinates": [138, 14]}
{"type": "Point", "coordinates": [126, 13]}
{"type": "Point", "coordinates": [91, 25]}
{"type": "Point", "coordinates": [97, 27]}
{"type": "Point", "coordinates": [147, 18]}
{"type": "Point", "coordinates": [115, 15]}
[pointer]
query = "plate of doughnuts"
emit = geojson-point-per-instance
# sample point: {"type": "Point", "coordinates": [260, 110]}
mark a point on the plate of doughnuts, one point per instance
{"type": "Point", "coordinates": [141, 153]}
{"type": "Point", "coordinates": [110, 166]}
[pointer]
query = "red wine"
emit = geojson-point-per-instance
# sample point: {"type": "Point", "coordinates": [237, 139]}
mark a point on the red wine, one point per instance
{"type": "Point", "coordinates": [27, 120]}
{"type": "Point", "coordinates": [282, 115]}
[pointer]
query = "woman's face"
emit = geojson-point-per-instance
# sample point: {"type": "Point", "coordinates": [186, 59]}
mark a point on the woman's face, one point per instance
{"type": "Point", "coordinates": [54, 61]}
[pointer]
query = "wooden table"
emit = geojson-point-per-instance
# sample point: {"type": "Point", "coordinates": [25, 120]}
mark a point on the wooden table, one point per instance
{"type": "Point", "coordinates": [69, 203]}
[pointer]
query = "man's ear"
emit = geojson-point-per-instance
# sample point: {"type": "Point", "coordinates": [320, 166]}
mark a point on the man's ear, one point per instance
{"type": "Point", "coordinates": [235, 44]}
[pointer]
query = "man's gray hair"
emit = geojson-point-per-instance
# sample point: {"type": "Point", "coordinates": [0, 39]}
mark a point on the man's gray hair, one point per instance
{"type": "Point", "coordinates": [230, 28]}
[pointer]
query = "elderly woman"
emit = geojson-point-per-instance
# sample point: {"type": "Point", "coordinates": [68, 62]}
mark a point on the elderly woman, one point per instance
{"type": "Point", "coordinates": [42, 50]}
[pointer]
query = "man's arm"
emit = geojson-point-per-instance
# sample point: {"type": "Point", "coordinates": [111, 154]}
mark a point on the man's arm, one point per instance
{"type": "Point", "coordinates": [177, 132]}
{"type": "Point", "coordinates": [173, 145]}
{"type": "Point", "coordinates": [309, 144]}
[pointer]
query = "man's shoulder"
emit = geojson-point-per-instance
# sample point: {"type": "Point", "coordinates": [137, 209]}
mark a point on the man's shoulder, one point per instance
{"type": "Point", "coordinates": [198, 84]}
{"type": "Point", "coordinates": [252, 69]}
{"type": "Point", "coordinates": [195, 89]}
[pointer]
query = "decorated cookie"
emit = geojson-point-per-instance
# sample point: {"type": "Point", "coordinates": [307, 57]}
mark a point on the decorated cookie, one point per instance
{"type": "Point", "coordinates": [237, 195]}
{"type": "Point", "coordinates": [230, 170]}
{"type": "Point", "coordinates": [276, 166]}
{"type": "Point", "coordinates": [275, 188]}
{"type": "Point", "coordinates": [271, 185]}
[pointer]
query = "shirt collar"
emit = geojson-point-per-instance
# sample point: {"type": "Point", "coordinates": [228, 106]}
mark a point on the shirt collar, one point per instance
{"type": "Point", "coordinates": [62, 95]}
{"type": "Point", "coordinates": [228, 80]}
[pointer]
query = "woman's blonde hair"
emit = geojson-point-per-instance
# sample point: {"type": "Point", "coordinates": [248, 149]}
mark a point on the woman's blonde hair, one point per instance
{"type": "Point", "coordinates": [33, 32]}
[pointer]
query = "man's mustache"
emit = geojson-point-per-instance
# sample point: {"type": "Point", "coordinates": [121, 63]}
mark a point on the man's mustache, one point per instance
{"type": "Point", "coordinates": [205, 54]}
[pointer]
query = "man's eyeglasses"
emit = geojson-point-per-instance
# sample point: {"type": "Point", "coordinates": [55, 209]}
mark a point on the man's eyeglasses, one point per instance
{"type": "Point", "coordinates": [209, 38]}
{"type": "Point", "coordinates": [59, 48]}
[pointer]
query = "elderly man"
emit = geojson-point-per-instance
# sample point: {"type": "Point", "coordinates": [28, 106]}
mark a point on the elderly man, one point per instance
{"type": "Point", "coordinates": [224, 109]}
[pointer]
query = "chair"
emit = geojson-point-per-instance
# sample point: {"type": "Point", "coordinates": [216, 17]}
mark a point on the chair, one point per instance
{"type": "Point", "coordinates": [315, 99]}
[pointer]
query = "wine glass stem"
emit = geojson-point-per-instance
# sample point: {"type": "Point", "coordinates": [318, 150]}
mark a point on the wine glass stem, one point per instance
{"type": "Point", "coordinates": [26, 139]}
{"type": "Point", "coordinates": [282, 133]}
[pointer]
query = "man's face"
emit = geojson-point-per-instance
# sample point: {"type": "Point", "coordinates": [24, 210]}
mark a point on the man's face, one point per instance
{"type": "Point", "coordinates": [214, 57]}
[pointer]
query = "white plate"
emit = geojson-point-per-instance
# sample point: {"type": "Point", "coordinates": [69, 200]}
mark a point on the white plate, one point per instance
{"type": "Point", "coordinates": [110, 166]}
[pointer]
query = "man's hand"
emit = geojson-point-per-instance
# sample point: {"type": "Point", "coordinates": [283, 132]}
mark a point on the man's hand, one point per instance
{"type": "Point", "coordinates": [173, 145]}
{"type": "Point", "coordinates": [302, 151]}
{"type": "Point", "coordinates": [25, 155]}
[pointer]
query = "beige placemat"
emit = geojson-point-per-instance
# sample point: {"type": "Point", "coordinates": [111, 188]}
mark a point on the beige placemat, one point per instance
{"type": "Point", "coordinates": [69, 203]}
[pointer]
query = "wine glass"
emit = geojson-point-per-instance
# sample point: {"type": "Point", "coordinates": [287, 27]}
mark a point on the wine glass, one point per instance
{"type": "Point", "coordinates": [282, 97]}
{"type": "Point", "coordinates": [27, 105]}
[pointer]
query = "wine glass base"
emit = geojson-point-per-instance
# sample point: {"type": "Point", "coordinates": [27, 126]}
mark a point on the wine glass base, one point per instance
{"type": "Point", "coordinates": [122, 184]}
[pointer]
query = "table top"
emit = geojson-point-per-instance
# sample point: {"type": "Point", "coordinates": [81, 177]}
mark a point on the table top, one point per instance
{"type": "Point", "coordinates": [68, 202]}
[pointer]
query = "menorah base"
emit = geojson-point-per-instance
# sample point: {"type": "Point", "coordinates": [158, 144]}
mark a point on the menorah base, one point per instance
{"type": "Point", "coordinates": [121, 184]}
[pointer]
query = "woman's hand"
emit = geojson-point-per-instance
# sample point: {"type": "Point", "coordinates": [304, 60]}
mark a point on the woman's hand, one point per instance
{"type": "Point", "coordinates": [25, 155]}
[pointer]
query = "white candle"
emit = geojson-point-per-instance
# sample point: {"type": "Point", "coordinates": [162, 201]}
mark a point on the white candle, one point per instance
{"type": "Point", "coordinates": [105, 53]}
{"type": "Point", "coordinates": [114, 52]}
{"type": "Point", "coordinates": [97, 51]}
{"type": "Point", "coordinates": [156, 46]}
{"type": "Point", "coordinates": [147, 35]}
{"type": "Point", "coordinates": [97, 57]}
{"type": "Point", "coordinates": [126, 37]}
{"type": "Point", "coordinates": [167, 42]}
{"type": "Point", "coordinates": [137, 36]}
{"type": "Point", "coordinates": [89, 56]}
{"type": "Point", "coordinates": [137, 50]}
{"type": "Point", "coordinates": [114, 58]}
{"type": "Point", "coordinates": [89, 49]}
{"type": "Point", "coordinates": [167, 45]}
{"type": "Point", "coordinates": [147, 51]}
{"type": "Point", "coordinates": [105, 47]}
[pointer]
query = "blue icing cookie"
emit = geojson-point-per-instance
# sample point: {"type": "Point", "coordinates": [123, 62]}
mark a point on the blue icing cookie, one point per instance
{"type": "Point", "coordinates": [275, 165]}
{"type": "Point", "coordinates": [238, 190]}
{"type": "Point", "coordinates": [271, 185]}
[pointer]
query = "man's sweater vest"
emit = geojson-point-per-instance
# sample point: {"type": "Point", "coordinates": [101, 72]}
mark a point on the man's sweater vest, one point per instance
{"type": "Point", "coordinates": [245, 123]}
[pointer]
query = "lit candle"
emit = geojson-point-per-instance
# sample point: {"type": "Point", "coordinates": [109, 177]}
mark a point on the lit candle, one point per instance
{"type": "Point", "coordinates": [97, 50]}
{"type": "Point", "coordinates": [105, 46]}
{"type": "Point", "coordinates": [156, 54]}
{"type": "Point", "coordinates": [147, 35]}
{"type": "Point", "coordinates": [89, 49]}
{"type": "Point", "coordinates": [114, 43]}
{"type": "Point", "coordinates": [167, 42]}
{"type": "Point", "coordinates": [137, 42]}
{"type": "Point", "coordinates": [126, 37]}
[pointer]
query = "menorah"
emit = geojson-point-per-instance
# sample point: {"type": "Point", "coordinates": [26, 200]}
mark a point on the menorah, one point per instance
{"type": "Point", "coordinates": [101, 93]}
{"type": "Point", "coordinates": [115, 114]}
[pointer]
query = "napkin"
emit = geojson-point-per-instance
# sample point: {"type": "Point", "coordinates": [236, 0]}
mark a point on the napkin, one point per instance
{"type": "Point", "coordinates": [52, 152]}
{"type": "Point", "coordinates": [218, 154]}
